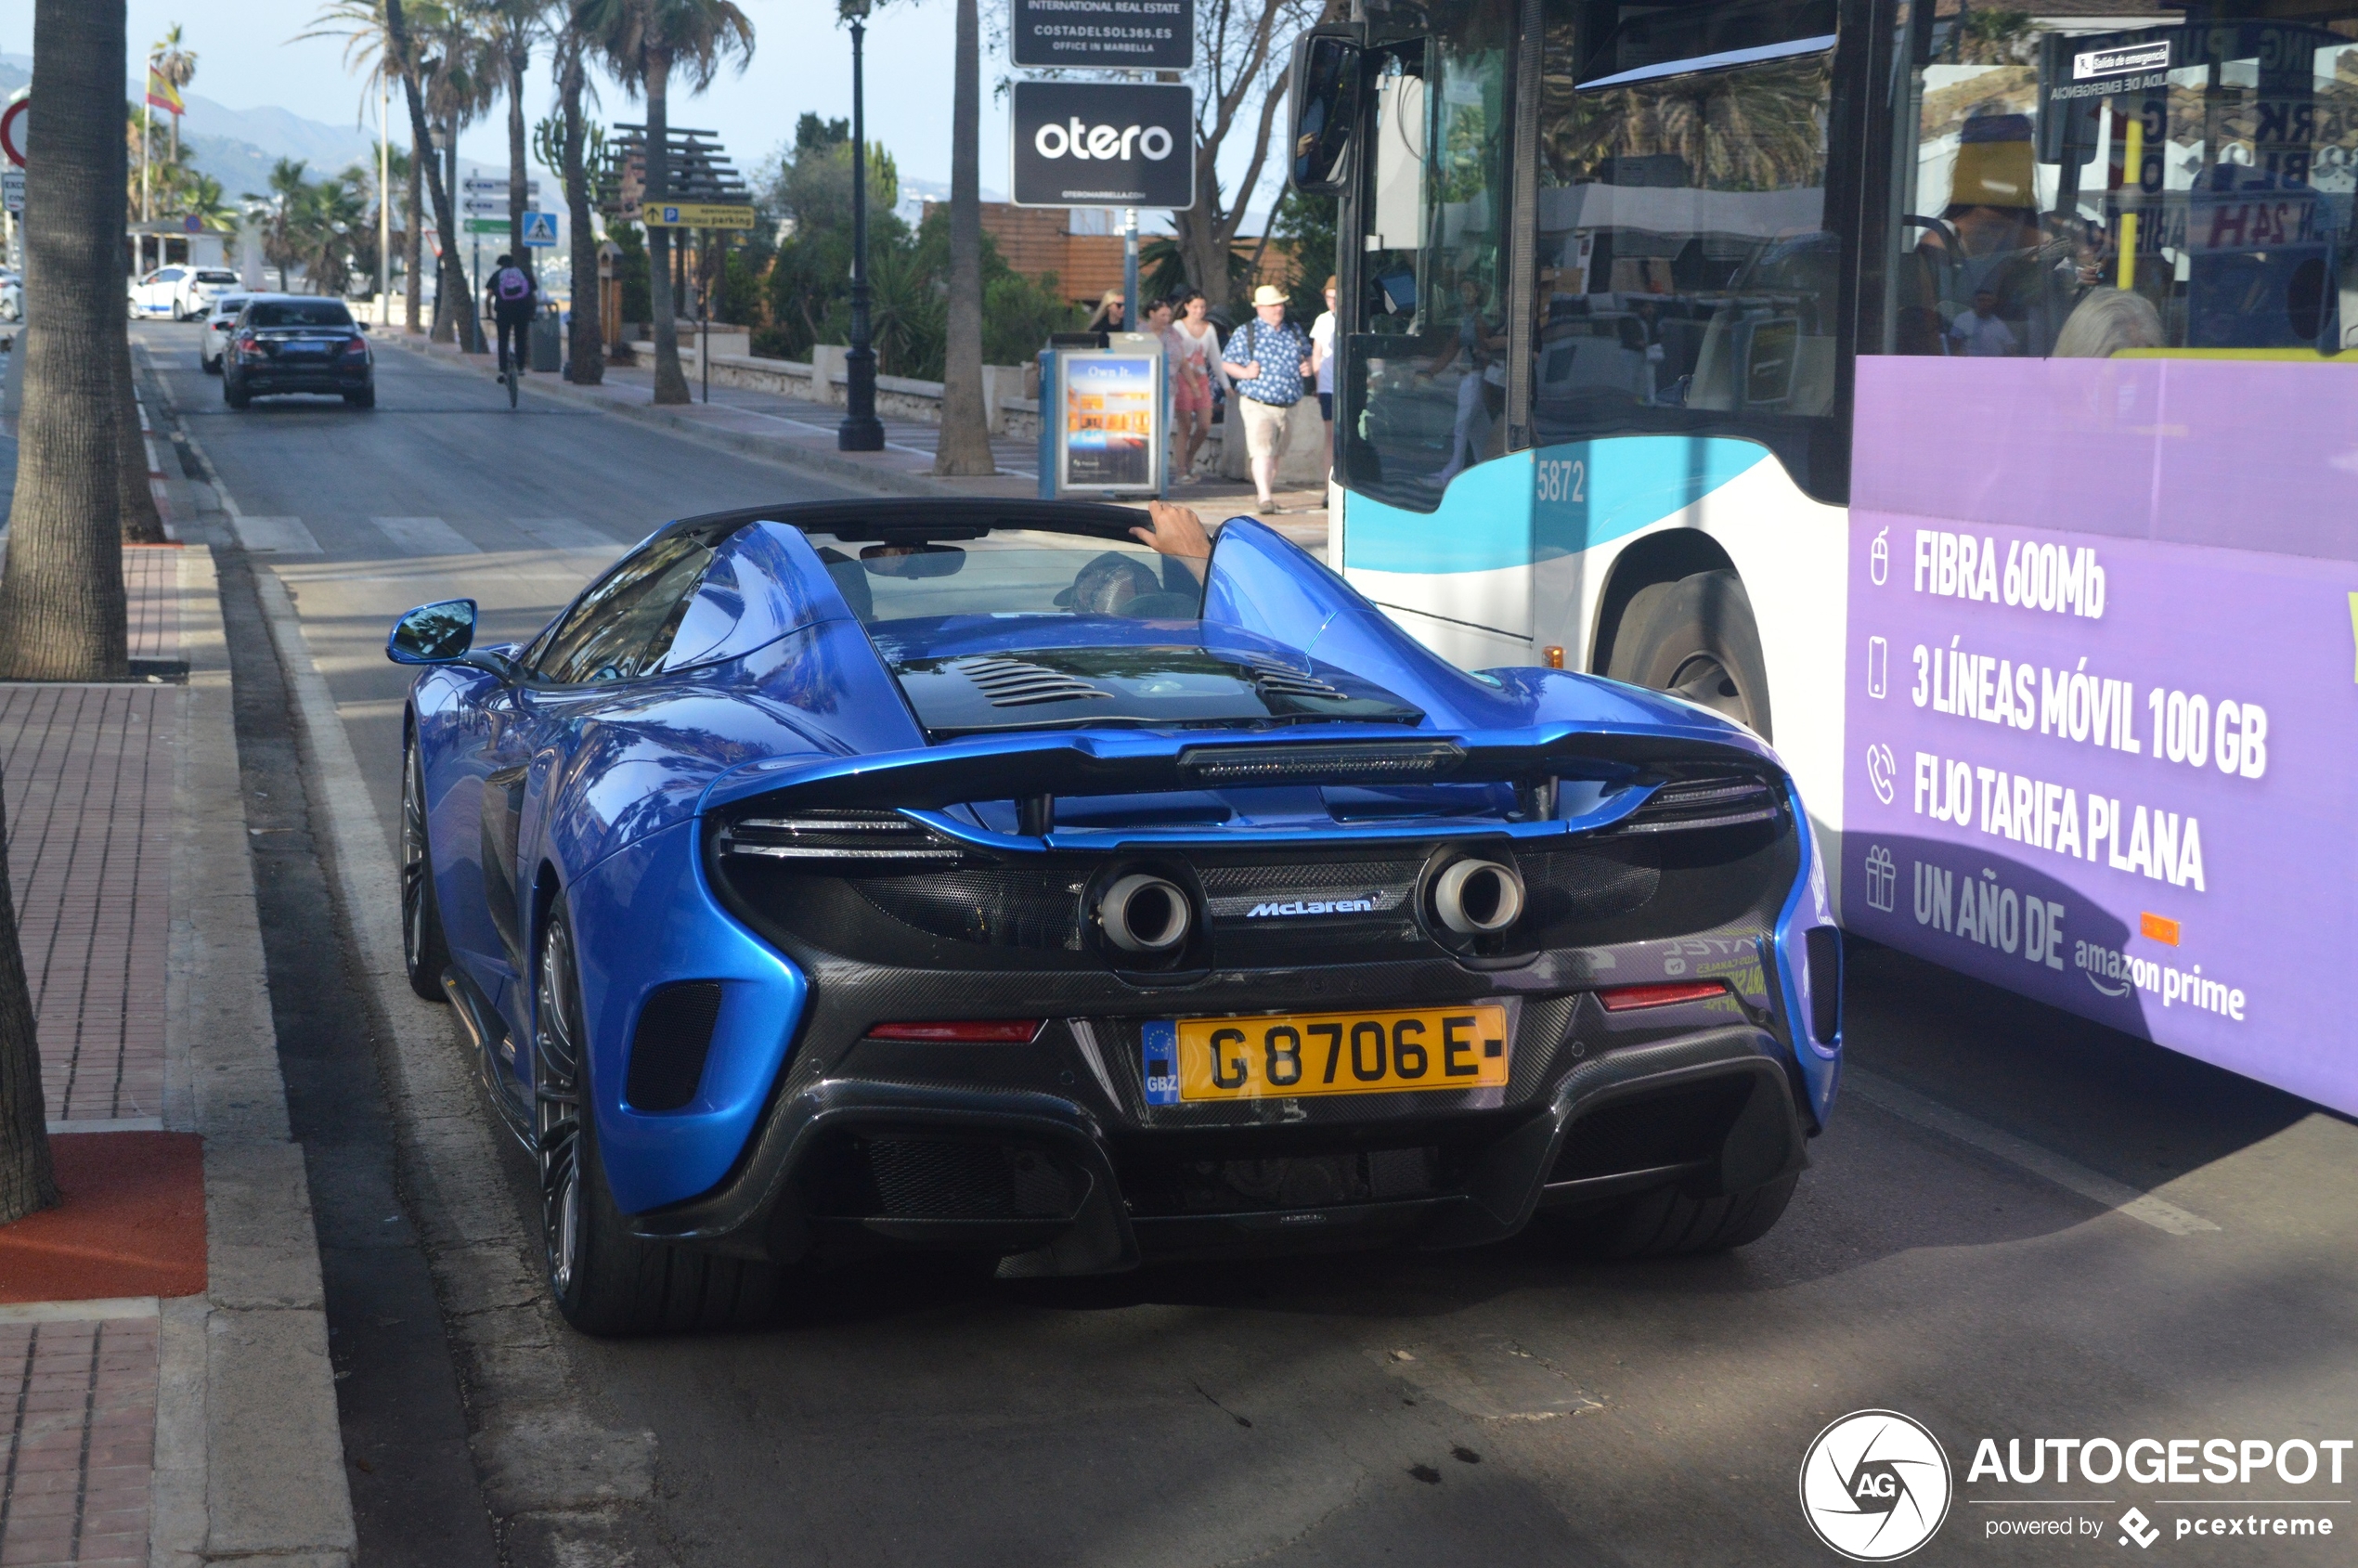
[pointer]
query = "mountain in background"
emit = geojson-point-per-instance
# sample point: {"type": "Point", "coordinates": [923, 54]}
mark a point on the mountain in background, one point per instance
{"type": "Point", "coordinates": [238, 146]}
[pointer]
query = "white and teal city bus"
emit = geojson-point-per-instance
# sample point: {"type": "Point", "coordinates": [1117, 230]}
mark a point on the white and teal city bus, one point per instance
{"type": "Point", "coordinates": [1956, 395]}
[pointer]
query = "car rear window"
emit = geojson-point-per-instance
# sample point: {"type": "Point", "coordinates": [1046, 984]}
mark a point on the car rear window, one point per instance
{"type": "Point", "coordinates": [1008, 573]}
{"type": "Point", "coordinates": [215, 275]}
{"type": "Point", "coordinates": [299, 312]}
{"type": "Point", "coordinates": [229, 305]}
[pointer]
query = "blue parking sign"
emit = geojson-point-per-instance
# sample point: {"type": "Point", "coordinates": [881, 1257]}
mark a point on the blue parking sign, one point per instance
{"type": "Point", "coordinates": [540, 229]}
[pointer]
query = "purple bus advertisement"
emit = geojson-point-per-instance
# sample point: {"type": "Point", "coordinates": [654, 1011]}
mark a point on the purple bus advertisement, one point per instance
{"type": "Point", "coordinates": [1972, 410]}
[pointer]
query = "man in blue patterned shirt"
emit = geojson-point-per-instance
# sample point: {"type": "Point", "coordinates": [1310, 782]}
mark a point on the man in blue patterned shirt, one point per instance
{"type": "Point", "coordinates": [1267, 362]}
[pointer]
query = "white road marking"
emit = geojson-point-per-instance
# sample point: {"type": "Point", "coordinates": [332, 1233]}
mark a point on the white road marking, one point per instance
{"type": "Point", "coordinates": [281, 536]}
{"type": "Point", "coordinates": [2070, 1175]}
{"type": "Point", "coordinates": [569, 532]}
{"type": "Point", "coordinates": [425, 535]}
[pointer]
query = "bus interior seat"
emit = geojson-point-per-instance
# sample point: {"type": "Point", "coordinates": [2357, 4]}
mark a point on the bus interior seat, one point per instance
{"type": "Point", "coordinates": [1720, 375]}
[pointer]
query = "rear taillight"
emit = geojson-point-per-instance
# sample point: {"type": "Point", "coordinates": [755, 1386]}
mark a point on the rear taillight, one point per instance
{"type": "Point", "coordinates": [837, 836]}
{"type": "Point", "coordinates": [967, 1031]}
{"type": "Point", "coordinates": [246, 344]}
{"type": "Point", "coordinates": [357, 349]}
{"type": "Point", "coordinates": [1687, 805]}
{"type": "Point", "coordinates": [1627, 998]}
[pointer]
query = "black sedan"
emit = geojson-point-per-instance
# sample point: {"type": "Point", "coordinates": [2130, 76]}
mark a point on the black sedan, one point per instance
{"type": "Point", "coordinates": [293, 342]}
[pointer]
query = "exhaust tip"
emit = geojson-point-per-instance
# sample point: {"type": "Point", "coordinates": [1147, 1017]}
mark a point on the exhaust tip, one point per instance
{"type": "Point", "coordinates": [1478, 898]}
{"type": "Point", "coordinates": [1143, 913]}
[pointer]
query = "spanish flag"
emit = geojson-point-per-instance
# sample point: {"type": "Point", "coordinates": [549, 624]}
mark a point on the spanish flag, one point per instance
{"type": "Point", "coordinates": [163, 94]}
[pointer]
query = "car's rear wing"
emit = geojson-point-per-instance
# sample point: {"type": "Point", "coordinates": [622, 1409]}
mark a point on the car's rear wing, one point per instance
{"type": "Point", "coordinates": [1707, 777]}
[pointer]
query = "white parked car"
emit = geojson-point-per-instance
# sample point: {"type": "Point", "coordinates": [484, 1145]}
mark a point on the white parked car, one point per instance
{"type": "Point", "coordinates": [219, 322]}
{"type": "Point", "coordinates": [179, 293]}
{"type": "Point", "coordinates": [11, 297]}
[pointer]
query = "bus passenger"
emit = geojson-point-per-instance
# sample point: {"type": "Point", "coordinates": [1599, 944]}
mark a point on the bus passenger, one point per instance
{"type": "Point", "coordinates": [2107, 321]}
{"type": "Point", "coordinates": [1978, 334]}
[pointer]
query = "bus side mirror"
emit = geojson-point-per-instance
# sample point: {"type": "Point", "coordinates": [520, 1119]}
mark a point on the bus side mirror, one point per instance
{"type": "Point", "coordinates": [1323, 88]}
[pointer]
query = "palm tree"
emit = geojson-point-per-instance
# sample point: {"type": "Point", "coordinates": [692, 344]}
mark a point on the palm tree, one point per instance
{"type": "Point", "coordinates": [964, 444]}
{"type": "Point", "coordinates": [514, 26]}
{"type": "Point", "coordinates": [644, 42]}
{"type": "Point", "coordinates": [61, 602]}
{"type": "Point", "coordinates": [585, 353]}
{"type": "Point", "coordinates": [451, 282]}
{"type": "Point", "coordinates": [368, 47]}
{"type": "Point", "coordinates": [176, 65]}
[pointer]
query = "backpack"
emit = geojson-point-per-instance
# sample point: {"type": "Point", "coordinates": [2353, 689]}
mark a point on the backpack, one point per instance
{"type": "Point", "coordinates": [514, 286]}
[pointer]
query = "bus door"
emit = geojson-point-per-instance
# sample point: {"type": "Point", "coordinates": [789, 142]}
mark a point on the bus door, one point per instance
{"type": "Point", "coordinates": [1424, 356]}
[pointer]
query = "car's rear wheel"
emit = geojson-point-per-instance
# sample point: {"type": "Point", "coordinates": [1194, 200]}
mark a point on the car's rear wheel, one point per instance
{"type": "Point", "coordinates": [1667, 1222]}
{"type": "Point", "coordinates": [605, 1280]}
{"type": "Point", "coordinates": [236, 396]}
{"type": "Point", "coordinates": [424, 953]}
{"type": "Point", "coordinates": [1696, 638]}
{"type": "Point", "coordinates": [212, 367]}
{"type": "Point", "coordinates": [364, 398]}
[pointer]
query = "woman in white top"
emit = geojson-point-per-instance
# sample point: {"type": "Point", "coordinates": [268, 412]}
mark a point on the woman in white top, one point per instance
{"type": "Point", "coordinates": [1194, 348]}
{"type": "Point", "coordinates": [1322, 350]}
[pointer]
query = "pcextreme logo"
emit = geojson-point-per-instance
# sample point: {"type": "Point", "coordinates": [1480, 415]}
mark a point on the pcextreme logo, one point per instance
{"type": "Point", "coordinates": [1875, 1486]}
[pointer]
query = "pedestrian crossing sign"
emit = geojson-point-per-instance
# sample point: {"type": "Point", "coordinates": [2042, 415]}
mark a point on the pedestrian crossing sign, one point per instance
{"type": "Point", "coordinates": [540, 229]}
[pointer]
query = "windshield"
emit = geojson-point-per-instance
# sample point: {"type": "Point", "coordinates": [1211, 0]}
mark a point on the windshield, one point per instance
{"type": "Point", "coordinates": [1007, 574]}
{"type": "Point", "coordinates": [299, 312]}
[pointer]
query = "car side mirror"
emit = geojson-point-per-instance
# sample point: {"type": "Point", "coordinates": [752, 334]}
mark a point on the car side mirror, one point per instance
{"type": "Point", "coordinates": [438, 633]}
{"type": "Point", "coordinates": [1323, 89]}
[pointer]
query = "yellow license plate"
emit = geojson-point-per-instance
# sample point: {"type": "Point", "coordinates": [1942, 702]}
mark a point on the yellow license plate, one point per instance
{"type": "Point", "coordinates": [1297, 1053]}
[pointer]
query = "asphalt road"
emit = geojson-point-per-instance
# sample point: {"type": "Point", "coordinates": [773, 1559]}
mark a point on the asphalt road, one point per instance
{"type": "Point", "coordinates": [1965, 1248]}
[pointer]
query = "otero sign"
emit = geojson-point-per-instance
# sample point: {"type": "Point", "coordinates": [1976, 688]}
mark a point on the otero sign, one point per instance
{"type": "Point", "coordinates": [1104, 144]}
{"type": "Point", "coordinates": [1102, 34]}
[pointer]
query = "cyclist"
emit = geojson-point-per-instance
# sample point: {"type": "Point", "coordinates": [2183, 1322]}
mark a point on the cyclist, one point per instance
{"type": "Point", "coordinates": [513, 298]}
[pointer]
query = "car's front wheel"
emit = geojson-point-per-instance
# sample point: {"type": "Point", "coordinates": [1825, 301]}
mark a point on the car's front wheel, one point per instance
{"type": "Point", "coordinates": [605, 1280]}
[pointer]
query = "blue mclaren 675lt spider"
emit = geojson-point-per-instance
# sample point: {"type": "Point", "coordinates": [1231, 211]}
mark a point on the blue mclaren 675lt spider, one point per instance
{"type": "Point", "coordinates": [1007, 879]}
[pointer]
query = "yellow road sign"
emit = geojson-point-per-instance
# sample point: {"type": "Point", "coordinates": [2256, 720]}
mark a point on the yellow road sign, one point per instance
{"type": "Point", "coordinates": [695, 214]}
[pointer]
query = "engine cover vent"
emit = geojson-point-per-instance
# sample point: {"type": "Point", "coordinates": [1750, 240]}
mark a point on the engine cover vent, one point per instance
{"type": "Point", "coordinates": [1008, 682]}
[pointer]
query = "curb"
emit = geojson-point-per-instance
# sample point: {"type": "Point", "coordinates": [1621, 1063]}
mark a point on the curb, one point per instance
{"type": "Point", "coordinates": [561, 1484]}
{"type": "Point", "coordinates": [248, 1458]}
{"type": "Point", "coordinates": [823, 464]}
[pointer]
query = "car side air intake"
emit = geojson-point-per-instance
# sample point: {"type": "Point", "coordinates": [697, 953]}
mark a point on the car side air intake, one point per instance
{"type": "Point", "coordinates": [667, 1049]}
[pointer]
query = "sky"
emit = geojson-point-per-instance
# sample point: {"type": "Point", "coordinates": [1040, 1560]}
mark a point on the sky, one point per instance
{"type": "Point", "coordinates": [802, 62]}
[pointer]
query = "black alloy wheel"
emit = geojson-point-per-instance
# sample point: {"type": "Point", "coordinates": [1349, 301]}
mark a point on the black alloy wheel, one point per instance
{"type": "Point", "coordinates": [424, 955]}
{"type": "Point", "coordinates": [557, 1112]}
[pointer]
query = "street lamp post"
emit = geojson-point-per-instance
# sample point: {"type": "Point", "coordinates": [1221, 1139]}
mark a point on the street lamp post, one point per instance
{"type": "Point", "coordinates": [861, 430]}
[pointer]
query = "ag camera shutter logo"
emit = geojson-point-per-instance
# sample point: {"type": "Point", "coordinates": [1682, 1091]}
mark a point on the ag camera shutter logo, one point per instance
{"type": "Point", "coordinates": [1875, 1486]}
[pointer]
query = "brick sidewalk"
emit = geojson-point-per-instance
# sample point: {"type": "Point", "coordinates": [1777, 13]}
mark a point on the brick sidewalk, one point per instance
{"type": "Point", "coordinates": [79, 1402]}
{"type": "Point", "coordinates": [88, 773]}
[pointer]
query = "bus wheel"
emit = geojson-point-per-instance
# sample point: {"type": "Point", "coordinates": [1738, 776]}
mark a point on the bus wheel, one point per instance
{"type": "Point", "coordinates": [1696, 637]}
